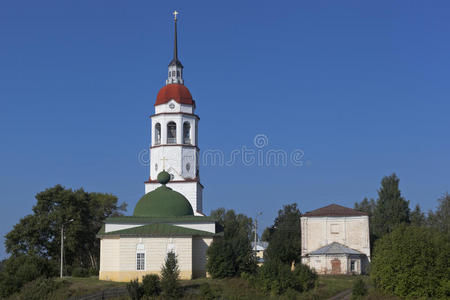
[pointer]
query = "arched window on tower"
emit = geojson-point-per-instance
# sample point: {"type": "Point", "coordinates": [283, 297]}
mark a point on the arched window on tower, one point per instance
{"type": "Point", "coordinates": [171, 133]}
{"type": "Point", "coordinates": [186, 133]}
{"type": "Point", "coordinates": [157, 134]}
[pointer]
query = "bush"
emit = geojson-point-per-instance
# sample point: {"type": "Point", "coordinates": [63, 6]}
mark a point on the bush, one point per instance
{"type": "Point", "coordinates": [38, 289]}
{"type": "Point", "coordinates": [359, 289]}
{"type": "Point", "coordinates": [151, 285]}
{"type": "Point", "coordinates": [412, 262]}
{"type": "Point", "coordinates": [19, 270]}
{"type": "Point", "coordinates": [207, 293]}
{"type": "Point", "coordinates": [169, 277]}
{"type": "Point", "coordinates": [135, 290]}
{"type": "Point", "coordinates": [305, 277]}
{"type": "Point", "coordinates": [80, 272]}
{"type": "Point", "coordinates": [276, 278]}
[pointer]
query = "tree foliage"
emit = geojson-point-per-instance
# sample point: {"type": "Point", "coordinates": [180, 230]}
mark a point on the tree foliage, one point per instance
{"type": "Point", "coordinates": [284, 236]}
{"type": "Point", "coordinates": [169, 277]}
{"type": "Point", "coordinates": [412, 262]}
{"type": "Point", "coordinates": [417, 217]}
{"type": "Point", "coordinates": [40, 233]}
{"type": "Point", "coordinates": [440, 219]}
{"type": "Point", "coordinates": [231, 255]}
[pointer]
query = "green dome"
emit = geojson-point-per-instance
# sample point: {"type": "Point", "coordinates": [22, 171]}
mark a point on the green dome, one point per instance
{"type": "Point", "coordinates": [163, 202]}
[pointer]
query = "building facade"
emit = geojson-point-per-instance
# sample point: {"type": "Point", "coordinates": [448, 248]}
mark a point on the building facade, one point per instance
{"type": "Point", "coordinates": [335, 240]}
{"type": "Point", "coordinates": [168, 218]}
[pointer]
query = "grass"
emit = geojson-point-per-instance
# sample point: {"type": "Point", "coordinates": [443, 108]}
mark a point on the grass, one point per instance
{"type": "Point", "coordinates": [205, 288]}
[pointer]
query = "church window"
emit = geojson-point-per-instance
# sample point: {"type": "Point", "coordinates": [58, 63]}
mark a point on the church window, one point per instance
{"type": "Point", "coordinates": [140, 261]}
{"type": "Point", "coordinates": [157, 134]}
{"type": "Point", "coordinates": [353, 265]}
{"type": "Point", "coordinates": [186, 133]}
{"type": "Point", "coordinates": [171, 133]}
{"type": "Point", "coordinates": [178, 73]}
{"type": "Point", "coordinates": [140, 257]}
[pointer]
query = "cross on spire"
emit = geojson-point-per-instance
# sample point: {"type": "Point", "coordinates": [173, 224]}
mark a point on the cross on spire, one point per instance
{"type": "Point", "coordinates": [175, 66]}
{"type": "Point", "coordinates": [175, 14]}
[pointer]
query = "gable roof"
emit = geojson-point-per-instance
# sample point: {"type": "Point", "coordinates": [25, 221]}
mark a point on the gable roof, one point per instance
{"type": "Point", "coordinates": [158, 229]}
{"type": "Point", "coordinates": [334, 248]}
{"type": "Point", "coordinates": [334, 210]}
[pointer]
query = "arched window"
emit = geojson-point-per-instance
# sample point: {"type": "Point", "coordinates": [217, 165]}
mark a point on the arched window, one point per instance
{"type": "Point", "coordinates": [178, 73]}
{"type": "Point", "coordinates": [186, 133]}
{"type": "Point", "coordinates": [171, 133]}
{"type": "Point", "coordinates": [157, 134]}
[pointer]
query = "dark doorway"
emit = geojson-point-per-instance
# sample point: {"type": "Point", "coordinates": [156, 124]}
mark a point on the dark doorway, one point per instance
{"type": "Point", "coordinates": [335, 266]}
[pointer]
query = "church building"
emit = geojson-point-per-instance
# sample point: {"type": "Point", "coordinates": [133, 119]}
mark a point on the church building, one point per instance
{"type": "Point", "coordinates": [335, 240]}
{"type": "Point", "coordinates": [169, 217]}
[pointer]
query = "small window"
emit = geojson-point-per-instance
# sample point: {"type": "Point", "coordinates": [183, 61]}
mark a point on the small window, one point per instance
{"type": "Point", "coordinates": [171, 133]}
{"type": "Point", "coordinates": [140, 261]}
{"type": "Point", "coordinates": [186, 133]}
{"type": "Point", "coordinates": [178, 73]}
{"type": "Point", "coordinates": [353, 265]}
{"type": "Point", "coordinates": [157, 134]}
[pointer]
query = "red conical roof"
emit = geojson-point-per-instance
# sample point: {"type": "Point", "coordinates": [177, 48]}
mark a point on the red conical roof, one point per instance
{"type": "Point", "coordinates": [177, 92]}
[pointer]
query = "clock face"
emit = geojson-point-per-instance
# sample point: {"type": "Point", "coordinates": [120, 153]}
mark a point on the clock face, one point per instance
{"type": "Point", "coordinates": [171, 106]}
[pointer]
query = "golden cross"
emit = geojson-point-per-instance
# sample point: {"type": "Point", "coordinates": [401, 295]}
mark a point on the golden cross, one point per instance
{"type": "Point", "coordinates": [164, 162]}
{"type": "Point", "coordinates": [175, 14]}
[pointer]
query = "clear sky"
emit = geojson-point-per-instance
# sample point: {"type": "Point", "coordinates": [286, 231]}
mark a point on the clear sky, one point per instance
{"type": "Point", "coordinates": [360, 87]}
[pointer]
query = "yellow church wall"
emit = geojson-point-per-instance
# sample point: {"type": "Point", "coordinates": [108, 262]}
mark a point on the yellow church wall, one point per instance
{"type": "Point", "coordinates": [118, 256]}
{"type": "Point", "coordinates": [199, 247]}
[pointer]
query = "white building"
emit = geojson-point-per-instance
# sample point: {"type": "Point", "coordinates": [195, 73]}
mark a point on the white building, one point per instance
{"type": "Point", "coordinates": [335, 240]}
{"type": "Point", "coordinates": [168, 218]}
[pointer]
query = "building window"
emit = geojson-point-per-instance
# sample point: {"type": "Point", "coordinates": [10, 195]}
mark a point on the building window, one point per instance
{"type": "Point", "coordinates": [140, 261]}
{"type": "Point", "coordinates": [335, 228]}
{"type": "Point", "coordinates": [178, 73]}
{"type": "Point", "coordinates": [171, 133]}
{"type": "Point", "coordinates": [353, 266]}
{"type": "Point", "coordinates": [186, 133]}
{"type": "Point", "coordinates": [157, 134]}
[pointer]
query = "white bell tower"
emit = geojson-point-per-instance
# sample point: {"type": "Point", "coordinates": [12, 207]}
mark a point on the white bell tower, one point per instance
{"type": "Point", "coordinates": [174, 136]}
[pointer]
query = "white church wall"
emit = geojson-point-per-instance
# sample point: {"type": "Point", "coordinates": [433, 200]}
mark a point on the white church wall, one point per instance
{"type": "Point", "coordinates": [352, 232]}
{"type": "Point", "coordinates": [177, 107]}
{"type": "Point", "coordinates": [109, 254]}
{"type": "Point", "coordinates": [115, 227]}
{"type": "Point", "coordinates": [209, 227]}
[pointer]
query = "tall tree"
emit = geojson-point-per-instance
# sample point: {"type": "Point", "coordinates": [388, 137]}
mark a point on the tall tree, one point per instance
{"type": "Point", "coordinates": [231, 254]}
{"type": "Point", "coordinates": [391, 208]}
{"type": "Point", "coordinates": [417, 217]}
{"type": "Point", "coordinates": [81, 214]}
{"type": "Point", "coordinates": [441, 218]}
{"type": "Point", "coordinates": [366, 205]}
{"type": "Point", "coordinates": [284, 236]}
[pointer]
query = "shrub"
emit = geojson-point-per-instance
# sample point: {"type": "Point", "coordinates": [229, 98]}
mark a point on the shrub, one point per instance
{"type": "Point", "coordinates": [359, 289]}
{"type": "Point", "coordinates": [19, 270]}
{"type": "Point", "coordinates": [80, 272]}
{"type": "Point", "coordinates": [169, 277]}
{"type": "Point", "coordinates": [38, 289]}
{"type": "Point", "coordinates": [276, 278]}
{"type": "Point", "coordinates": [208, 293]}
{"type": "Point", "coordinates": [412, 262]}
{"type": "Point", "coordinates": [93, 272]}
{"type": "Point", "coordinates": [151, 285]}
{"type": "Point", "coordinates": [305, 277]}
{"type": "Point", "coordinates": [135, 290]}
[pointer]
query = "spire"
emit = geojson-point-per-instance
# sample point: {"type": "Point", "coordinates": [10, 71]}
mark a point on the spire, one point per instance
{"type": "Point", "coordinates": [175, 66]}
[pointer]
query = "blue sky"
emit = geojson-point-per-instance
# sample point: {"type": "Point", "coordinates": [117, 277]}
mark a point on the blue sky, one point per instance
{"type": "Point", "coordinates": [362, 88]}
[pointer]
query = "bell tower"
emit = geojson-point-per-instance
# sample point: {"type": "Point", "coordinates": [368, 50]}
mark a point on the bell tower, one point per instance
{"type": "Point", "coordinates": [175, 136]}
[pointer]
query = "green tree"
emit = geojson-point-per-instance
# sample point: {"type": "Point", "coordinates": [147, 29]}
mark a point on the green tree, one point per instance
{"type": "Point", "coordinates": [412, 262]}
{"type": "Point", "coordinates": [367, 206]}
{"type": "Point", "coordinates": [417, 217]}
{"type": "Point", "coordinates": [231, 255]}
{"type": "Point", "coordinates": [391, 208]}
{"type": "Point", "coordinates": [284, 236]}
{"type": "Point", "coordinates": [40, 233]}
{"type": "Point", "coordinates": [169, 277]}
{"type": "Point", "coordinates": [440, 219]}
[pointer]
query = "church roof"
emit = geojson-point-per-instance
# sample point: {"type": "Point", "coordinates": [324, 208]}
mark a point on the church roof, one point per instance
{"type": "Point", "coordinates": [334, 248]}
{"type": "Point", "coordinates": [334, 210]}
{"type": "Point", "coordinates": [157, 229]}
{"type": "Point", "coordinates": [163, 202]}
{"type": "Point", "coordinates": [147, 220]}
{"type": "Point", "coordinates": [175, 91]}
